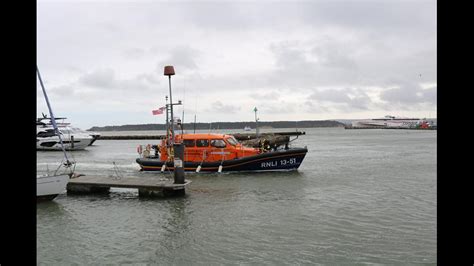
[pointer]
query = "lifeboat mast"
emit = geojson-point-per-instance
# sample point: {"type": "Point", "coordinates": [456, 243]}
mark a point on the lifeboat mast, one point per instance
{"type": "Point", "coordinates": [169, 71]}
{"type": "Point", "coordinates": [178, 148]}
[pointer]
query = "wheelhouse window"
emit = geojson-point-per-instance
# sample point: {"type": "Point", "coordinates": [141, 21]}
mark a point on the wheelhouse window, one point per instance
{"type": "Point", "coordinates": [202, 143]}
{"type": "Point", "coordinates": [232, 141]}
{"type": "Point", "coordinates": [188, 142]}
{"type": "Point", "coordinates": [218, 143]}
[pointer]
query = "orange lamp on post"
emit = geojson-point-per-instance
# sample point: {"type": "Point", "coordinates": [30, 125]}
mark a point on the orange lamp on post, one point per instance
{"type": "Point", "coordinates": [169, 71]}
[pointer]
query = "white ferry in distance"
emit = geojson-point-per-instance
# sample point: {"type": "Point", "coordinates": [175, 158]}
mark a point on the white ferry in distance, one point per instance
{"type": "Point", "coordinates": [388, 121]}
{"type": "Point", "coordinates": [247, 128]}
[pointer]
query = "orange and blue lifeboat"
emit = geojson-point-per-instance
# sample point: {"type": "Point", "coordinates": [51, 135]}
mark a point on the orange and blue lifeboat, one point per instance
{"type": "Point", "coordinates": [209, 152]}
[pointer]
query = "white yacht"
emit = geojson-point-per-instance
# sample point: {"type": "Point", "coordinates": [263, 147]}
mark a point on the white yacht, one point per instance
{"type": "Point", "coordinates": [73, 138]}
{"type": "Point", "coordinates": [94, 135]}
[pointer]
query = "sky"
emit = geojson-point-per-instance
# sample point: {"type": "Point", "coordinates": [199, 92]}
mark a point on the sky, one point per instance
{"type": "Point", "coordinates": [102, 61]}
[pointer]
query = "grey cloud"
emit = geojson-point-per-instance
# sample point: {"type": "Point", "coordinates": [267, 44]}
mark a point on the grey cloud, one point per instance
{"type": "Point", "coordinates": [73, 69]}
{"type": "Point", "coordinates": [150, 78]}
{"type": "Point", "coordinates": [314, 107]}
{"type": "Point", "coordinates": [405, 93]}
{"type": "Point", "coordinates": [343, 99]}
{"type": "Point", "coordinates": [103, 86]}
{"type": "Point", "coordinates": [110, 26]}
{"type": "Point", "coordinates": [223, 15]}
{"type": "Point", "coordinates": [281, 107]}
{"type": "Point", "coordinates": [63, 91]}
{"type": "Point", "coordinates": [102, 78]}
{"type": "Point", "coordinates": [134, 53]}
{"type": "Point", "coordinates": [430, 95]}
{"type": "Point", "coordinates": [388, 16]}
{"type": "Point", "coordinates": [218, 106]}
{"type": "Point", "coordinates": [288, 55]}
{"type": "Point", "coordinates": [336, 96]}
{"type": "Point", "coordinates": [106, 79]}
{"type": "Point", "coordinates": [270, 96]}
{"type": "Point", "coordinates": [334, 54]}
{"type": "Point", "coordinates": [182, 58]}
{"type": "Point", "coordinates": [306, 68]}
{"type": "Point", "coordinates": [360, 102]}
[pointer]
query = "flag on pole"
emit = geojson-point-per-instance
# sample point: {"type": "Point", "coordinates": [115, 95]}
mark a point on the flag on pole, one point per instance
{"type": "Point", "coordinates": [158, 111]}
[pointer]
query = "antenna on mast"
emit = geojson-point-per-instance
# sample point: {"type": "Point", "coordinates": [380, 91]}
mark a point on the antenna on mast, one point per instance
{"type": "Point", "coordinates": [256, 122]}
{"type": "Point", "coordinates": [182, 117]}
{"type": "Point", "coordinates": [167, 121]}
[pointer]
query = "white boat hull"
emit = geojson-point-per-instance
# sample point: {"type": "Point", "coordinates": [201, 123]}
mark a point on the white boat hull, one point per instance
{"type": "Point", "coordinates": [52, 143]}
{"type": "Point", "coordinates": [48, 187]}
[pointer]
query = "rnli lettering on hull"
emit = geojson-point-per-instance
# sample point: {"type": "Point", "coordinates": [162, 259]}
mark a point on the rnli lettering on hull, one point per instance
{"type": "Point", "coordinates": [284, 162]}
{"type": "Point", "coordinates": [269, 164]}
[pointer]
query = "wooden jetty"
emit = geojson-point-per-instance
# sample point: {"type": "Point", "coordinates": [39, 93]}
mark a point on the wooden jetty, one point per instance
{"type": "Point", "coordinates": [411, 128]}
{"type": "Point", "coordinates": [238, 136]}
{"type": "Point", "coordinates": [247, 136]}
{"type": "Point", "coordinates": [147, 186]}
{"type": "Point", "coordinates": [128, 137]}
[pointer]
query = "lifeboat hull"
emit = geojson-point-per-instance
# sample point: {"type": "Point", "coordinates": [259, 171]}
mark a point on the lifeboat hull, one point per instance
{"type": "Point", "coordinates": [270, 161]}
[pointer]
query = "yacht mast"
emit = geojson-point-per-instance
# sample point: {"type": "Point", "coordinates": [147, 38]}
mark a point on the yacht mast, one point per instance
{"type": "Point", "coordinates": [53, 120]}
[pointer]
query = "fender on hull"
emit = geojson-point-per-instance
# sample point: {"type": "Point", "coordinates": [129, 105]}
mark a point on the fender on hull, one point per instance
{"type": "Point", "coordinates": [270, 161]}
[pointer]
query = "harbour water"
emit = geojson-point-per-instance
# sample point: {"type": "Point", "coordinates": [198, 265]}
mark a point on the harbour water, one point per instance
{"type": "Point", "coordinates": [360, 197]}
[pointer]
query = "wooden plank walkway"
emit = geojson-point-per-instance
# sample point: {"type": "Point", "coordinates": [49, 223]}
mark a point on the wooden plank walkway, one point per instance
{"type": "Point", "coordinates": [147, 186]}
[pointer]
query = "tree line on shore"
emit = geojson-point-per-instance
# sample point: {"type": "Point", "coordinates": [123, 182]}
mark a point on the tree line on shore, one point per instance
{"type": "Point", "coordinates": [226, 125]}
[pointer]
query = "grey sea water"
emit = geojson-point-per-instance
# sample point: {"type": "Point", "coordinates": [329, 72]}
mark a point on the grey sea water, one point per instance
{"type": "Point", "coordinates": [360, 197]}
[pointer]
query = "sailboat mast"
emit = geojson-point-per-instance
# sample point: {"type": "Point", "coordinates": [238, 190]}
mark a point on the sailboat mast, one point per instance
{"type": "Point", "coordinates": [53, 120]}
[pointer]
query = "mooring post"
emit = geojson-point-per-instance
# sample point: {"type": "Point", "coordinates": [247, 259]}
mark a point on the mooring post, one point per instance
{"type": "Point", "coordinates": [178, 163]}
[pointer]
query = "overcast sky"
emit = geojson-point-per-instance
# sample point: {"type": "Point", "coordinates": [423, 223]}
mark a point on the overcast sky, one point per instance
{"type": "Point", "coordinates": [102, 61]}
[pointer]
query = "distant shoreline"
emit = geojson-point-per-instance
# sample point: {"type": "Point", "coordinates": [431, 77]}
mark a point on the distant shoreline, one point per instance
{"type": "Point", "coordinates": [226, 125]}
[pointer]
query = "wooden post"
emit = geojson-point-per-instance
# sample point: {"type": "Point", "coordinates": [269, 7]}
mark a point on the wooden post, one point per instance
{"type": "Point", "coordinates": [178, 163]}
